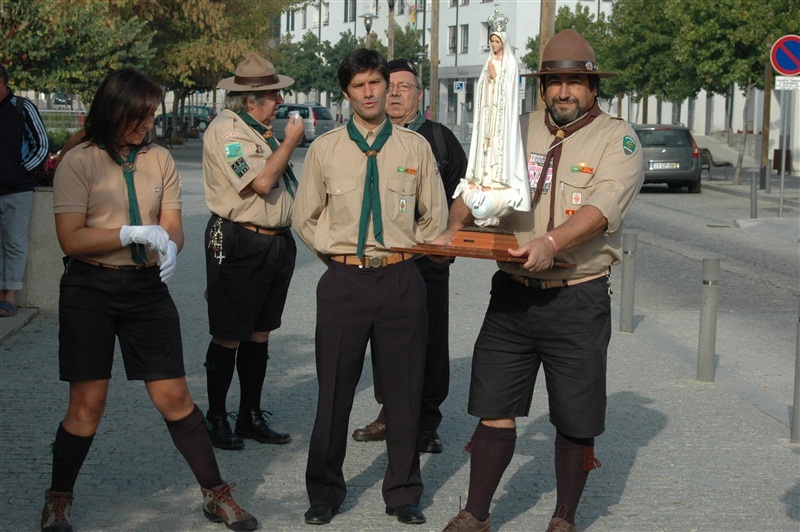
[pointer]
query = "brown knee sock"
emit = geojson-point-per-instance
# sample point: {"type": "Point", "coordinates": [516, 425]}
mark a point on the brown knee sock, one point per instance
{"type": "Point", "coordinates": [491, 452]}
{"type": "Point", "coordinates": [191, 438]}
{"type": "Point", "coordinates": [574, 458]}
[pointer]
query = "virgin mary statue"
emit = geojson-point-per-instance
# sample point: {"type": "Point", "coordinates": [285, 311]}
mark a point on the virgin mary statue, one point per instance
{"type": "Point", "coordinates": [496, 181]}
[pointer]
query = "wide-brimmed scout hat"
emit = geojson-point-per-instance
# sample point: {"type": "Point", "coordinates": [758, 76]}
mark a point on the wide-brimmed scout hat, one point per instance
{"type": "Point", "coordinates": [569, 53]}
{"type": "Point", "coordinates": [255, 74]}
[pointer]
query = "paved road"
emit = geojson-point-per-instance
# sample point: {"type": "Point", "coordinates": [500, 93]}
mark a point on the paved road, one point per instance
{"type": "Point", "coordinates": [677, 454]}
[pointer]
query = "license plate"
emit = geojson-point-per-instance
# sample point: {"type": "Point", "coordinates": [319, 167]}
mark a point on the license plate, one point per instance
{"type": "Point", "coordinates": [664, 166]}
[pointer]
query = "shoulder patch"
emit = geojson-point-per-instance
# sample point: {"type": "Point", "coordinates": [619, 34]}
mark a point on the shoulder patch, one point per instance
{"type": "Point", "coordinates": [233, 150]}
{"type": "Point", "coordinates": [628, 145]}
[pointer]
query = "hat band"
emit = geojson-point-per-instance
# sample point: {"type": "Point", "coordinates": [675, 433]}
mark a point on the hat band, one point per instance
{"type": "Point", "coordinates": [256, 81]}
{"type": "Point", "coordinates": [587, 66]}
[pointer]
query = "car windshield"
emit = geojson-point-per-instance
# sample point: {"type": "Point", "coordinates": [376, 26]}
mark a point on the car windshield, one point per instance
{"type": "Point", "coordinates": [323, 113]}
{"type": "Point", "coordinates": [670, 138]}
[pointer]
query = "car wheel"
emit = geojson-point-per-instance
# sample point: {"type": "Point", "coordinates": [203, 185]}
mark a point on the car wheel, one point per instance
{"type": "Point", "coordinates": [694, 187]}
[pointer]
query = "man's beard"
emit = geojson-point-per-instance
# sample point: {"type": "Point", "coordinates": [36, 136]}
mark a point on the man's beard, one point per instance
{"type": "Point", "coordinates": [562, 119]}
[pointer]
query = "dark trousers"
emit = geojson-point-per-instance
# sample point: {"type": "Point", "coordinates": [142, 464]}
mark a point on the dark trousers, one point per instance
{"type": "Point", "coordinates": [387, 307]}
{"type": "Point", "coordinates": [436, 384]}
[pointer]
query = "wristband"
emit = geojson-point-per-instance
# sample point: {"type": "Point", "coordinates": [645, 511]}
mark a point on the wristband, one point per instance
{"type": "Point", "coordinates": [552, 241]}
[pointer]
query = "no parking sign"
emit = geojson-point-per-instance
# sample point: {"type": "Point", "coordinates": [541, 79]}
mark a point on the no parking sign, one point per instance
{"type": "Point", "coordinates": [785, 55]}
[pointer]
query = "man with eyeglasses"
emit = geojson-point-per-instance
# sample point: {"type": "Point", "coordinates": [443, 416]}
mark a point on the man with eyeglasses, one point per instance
{"type": "Point", "coordinates": [250, 251]}
{"type": "Point", "coordinates": [402, 106]}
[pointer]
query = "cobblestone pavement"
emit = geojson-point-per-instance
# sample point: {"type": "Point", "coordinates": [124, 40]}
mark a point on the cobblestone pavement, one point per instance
{"type": "Point", "coordinates": [677, 454]}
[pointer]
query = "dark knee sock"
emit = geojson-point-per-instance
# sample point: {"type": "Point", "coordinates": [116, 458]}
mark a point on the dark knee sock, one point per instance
{"type": "Point", "coordinates": [492, 450]}
{"type": "Point", "coordinates": [251, 365]}
{"type": "Point", "coordinates": [69, 452]}
{"type": "Point", "coordinates": [191, 438]}
{"type": "Point", "coordinates": [220, 363]}
{"type": "Point", "coordinates": [574, 458]}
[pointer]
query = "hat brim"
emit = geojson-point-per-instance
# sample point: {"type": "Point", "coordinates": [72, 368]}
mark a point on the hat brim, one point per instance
{"type": "Point", "coordinates": [541, 73]}
{"type": "Point", "coordinates": [229, 84]}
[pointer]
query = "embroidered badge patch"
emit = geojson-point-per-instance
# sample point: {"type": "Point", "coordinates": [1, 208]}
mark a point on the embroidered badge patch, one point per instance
{"type": "Point", "coordinates": [230, 134]}
{"type": "Point", "coordinates": [628, 145]}
{"type": "Point", "coordinates": [570, 212]}
{"type": "Point", "coordinates": [403, 204]}
{"type": "Point", "coordinates": [404, 170]}
{"type": "Point", "coordinates": [583, 168]}
{"type": "Point", "coordinates": [576, 198]}
{"type": "Point", "coordinates": [233, 150]}
{"type": "Point", "coordinates": [240, 166]}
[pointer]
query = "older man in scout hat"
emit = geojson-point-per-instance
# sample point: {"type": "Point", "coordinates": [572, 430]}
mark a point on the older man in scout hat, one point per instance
{"type": "Point", "coordinates": [250, 252]}
{"type": "Point", "coordinates": [585, 170]}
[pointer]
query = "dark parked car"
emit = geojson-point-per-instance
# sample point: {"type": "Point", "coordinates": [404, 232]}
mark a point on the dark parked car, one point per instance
{"type": "Point", "coordinates": [195, 116]}
{"type": "Point", "coordinates": [317, 120]}
{"type": "Point", "coordinates": [670, 156]}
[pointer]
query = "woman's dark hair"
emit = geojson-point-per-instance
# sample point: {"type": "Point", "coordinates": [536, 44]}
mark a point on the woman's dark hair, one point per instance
{"type": "Point", "coordinates": [125, 98]}
{"type": "Point", "coordinates": [361, 60]}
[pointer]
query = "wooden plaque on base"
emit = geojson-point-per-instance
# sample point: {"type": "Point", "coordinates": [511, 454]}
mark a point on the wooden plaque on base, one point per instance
{"type": "Point", "coordinates": [477, 244]}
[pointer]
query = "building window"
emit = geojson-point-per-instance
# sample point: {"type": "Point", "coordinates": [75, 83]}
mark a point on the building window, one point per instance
{"type": "Point", "coordinates": [326, 14]}
{"type": "Point", "coordinates": [464, 38]}
{"type": "Point", "coordinates": [453, 3]}
{"type": "Point", "coordinates": [305, 18]}
{"type": "Point", "coordinates": [453, 40]}
{"type": "Point", "coordinates": [464, 2]}
{"type": "Point", "coordinates": [290, 21]}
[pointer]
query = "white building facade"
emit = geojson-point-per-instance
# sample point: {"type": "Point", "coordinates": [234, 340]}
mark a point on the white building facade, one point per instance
{"type": "Point", "coordinates": [463, 49]}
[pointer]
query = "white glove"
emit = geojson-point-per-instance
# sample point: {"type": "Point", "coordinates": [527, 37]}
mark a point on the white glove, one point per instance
{"type": "Point", "coordinates": [168, 260]}
{"type": "Point", "coordinates": [153, 236]}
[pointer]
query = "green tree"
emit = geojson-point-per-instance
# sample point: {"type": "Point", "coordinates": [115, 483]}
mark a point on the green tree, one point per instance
{"type": "Point", "coordinates": [408, 45]}
{"type": "Point", "coordinates": [56, 46]}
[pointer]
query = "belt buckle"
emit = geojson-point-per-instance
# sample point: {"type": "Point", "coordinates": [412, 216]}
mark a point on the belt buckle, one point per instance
{"type": "Point", "coordinates": [375, 262]}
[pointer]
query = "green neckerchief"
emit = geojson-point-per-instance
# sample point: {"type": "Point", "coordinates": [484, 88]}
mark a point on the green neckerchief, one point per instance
{"type": "Point", "coordinates": [288, 176]}
{"type": "Point", "coordinates": [415, 124]}
{"type": "Point", "coordinates": [372, 198]}
{"type": "Point", "coordinates": [138, 252]}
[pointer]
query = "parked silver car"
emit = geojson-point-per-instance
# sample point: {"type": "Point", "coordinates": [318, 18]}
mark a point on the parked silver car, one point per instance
{"type": "Point", "coordinates": [316, 118]}
{"type": "Point", "coordinates": [670, 156]}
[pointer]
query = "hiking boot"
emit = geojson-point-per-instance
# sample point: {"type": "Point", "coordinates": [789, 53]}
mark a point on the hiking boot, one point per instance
{"type": "Point", "coordinates": [251, 423]}
{"type": "Point", "coordinates": [465, 522]}
{"type": "Point", "coordinates": [558, 524]}
{"type": "Point", "coordinates": [375, 431]}
{"type": "Point", "coordinates": [220, 433]}
{"type": "Point", "coordinates": [55, 514]}
{"type": "Point", "coordinates": [219, 506]}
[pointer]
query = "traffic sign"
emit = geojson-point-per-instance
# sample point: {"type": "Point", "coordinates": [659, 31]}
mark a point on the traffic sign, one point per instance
{"type": "Point", "coordinates": [787, 83]}
{"type": "Point", "coordinates": [785, 55]}
{"type": "Point", "coordinates": [459, 87]}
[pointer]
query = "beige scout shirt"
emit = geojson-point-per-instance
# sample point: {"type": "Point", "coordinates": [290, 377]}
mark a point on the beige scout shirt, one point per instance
{"type": "Point", "coordinates": [328, 204]}
{"type": "Point", "coordinates": [233, 155]}
{"type": "Point", "coordinates": [89, 181]}
{"type": "Point", "coordinates": [601, 165]}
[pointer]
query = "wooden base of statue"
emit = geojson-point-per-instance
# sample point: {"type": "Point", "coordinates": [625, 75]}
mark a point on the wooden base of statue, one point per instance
{"type": "Point", "coordinates": [477, 244]}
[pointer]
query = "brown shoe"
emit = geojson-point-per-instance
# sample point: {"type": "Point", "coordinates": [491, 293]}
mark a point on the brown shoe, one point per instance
{"type": "Point", "coordinates": [55, 514]}
{"type": "Point", "coordinates": [465, 522]}
{"type": "Point", "coordinates": [219, 506]}
{"type": "Point", "coordinates": [375, 431]}
{"type": "Point", "coordinates": [558, 524]}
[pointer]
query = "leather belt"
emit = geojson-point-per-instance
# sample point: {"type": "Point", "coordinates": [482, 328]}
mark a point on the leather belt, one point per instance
{"type": "Point", "coordinates": [372, 262]}
{"type": "Point", "coordinates": [125, 267]}
{"type": "Point", "coordinates": [262, 230]}
{"type": "Point", "coordinates": [546, 284]}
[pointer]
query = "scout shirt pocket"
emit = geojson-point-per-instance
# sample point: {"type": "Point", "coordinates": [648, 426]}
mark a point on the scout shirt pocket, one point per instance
{"type": "Point", "coordinates": [574, 189]}
{"type": "Point", "coordinates": [399, 205]}
{"type": "Point", "coordinates": [344, 201]}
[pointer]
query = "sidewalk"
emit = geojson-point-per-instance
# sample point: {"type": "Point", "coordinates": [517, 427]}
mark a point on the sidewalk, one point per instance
{"type": "Point", "coordinates": [677, 454]}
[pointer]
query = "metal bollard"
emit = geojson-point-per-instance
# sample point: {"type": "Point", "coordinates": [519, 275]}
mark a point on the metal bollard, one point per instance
{"type": "Point", "coordinates": [628, 282]}
{"type": "Point", "coordinates": [795, 438]}
{"type": "Point", "coordinates": [708, 321]}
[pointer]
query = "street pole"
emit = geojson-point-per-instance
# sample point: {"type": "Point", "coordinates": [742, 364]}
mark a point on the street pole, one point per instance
{"type": "Point", "coordinates": [765, 170]}
{"type": "Point", "coordinates": [435, 61]}
{"type": "Point", "coordinates": [547, 28]}
{"type": "Point", "coordinates": [390, 34]}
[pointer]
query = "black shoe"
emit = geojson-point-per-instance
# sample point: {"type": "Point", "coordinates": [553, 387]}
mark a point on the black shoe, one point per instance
{"type": "Point", "coordinates": [320, 514]}
{"type": "Point", "coordinates": [429, 442]}
{"type": "Point", "coordinates": [219, 430]}
{"type": "Point", "coordinates": [251, 424]}
{"type": "Point", "coordinates": [408, 514]}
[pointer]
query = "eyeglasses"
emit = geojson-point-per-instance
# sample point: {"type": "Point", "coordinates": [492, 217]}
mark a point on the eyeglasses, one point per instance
{"type": "Point", "coordinates": [402, 86]}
